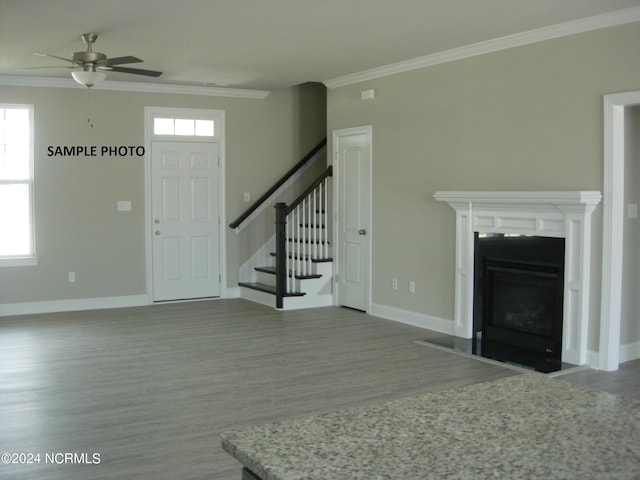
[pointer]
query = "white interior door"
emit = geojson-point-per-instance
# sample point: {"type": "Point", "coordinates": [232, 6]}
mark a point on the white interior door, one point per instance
{"type": "Point", "coordinates": [185, 215]}
{"type": "Point", "coordinates": [352, 148]}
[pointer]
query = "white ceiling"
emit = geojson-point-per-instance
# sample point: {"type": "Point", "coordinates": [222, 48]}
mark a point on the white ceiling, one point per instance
{"type": "Point", "coordinates": [266, 44]}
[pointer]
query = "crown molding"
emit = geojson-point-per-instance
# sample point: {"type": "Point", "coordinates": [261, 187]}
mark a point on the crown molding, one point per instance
{"type": "Point", "coordinates": [612, 19]}
{"type": "Point", "coordinates": [26, 81]}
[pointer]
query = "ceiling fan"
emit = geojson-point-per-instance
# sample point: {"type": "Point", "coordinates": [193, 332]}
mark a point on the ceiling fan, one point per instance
{"type": "Point", "coordinates": [93, 64]}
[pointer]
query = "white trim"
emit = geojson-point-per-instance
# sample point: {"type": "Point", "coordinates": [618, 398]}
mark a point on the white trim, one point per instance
{"type": "Point", "coordinates": [32, 258]}
{"type": "Point", "coordinates": [629, 351]}
{"type": "Point", "coordinates": [256, 296]}
{"type": "Point", "coordinates": [415, 319]}
{"type": "Point", "coordinates": [551, 214]}
{"type": "Point", "coordinates": [232, 292]}
{"type": "Point", "coordinates": [26, 81]}
{"type": "Point", "coordinates": [593, 359]}
{"type": "Point", "coordinates": [588, 24]}
{"type": "Point", "coordinates": [218, 116]}
{"type": "Point", "coordinates": [307, 301]}
{"type": "Point", "coordinates": [18, 262]}
{"type": "Point", "coordinates": [612, 231]}
{"type": "Point", "coordinates": [367, 130]}
{"type": "Point", "coordinates": [72, 305]}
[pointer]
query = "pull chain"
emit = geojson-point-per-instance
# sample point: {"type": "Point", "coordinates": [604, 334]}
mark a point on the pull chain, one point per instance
{"type": "Point", "coordinates": [89, 108]}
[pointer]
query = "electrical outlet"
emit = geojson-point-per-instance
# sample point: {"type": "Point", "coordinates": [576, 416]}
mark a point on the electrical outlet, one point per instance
{"type": "Point", "coordinates": [247, 196]}
{"type": "Point", "coordinates": [412, 287]}
{"type": "Point", "coordinates": [72, 277]}
{"type": "Point", "coordinates": [394, 283]}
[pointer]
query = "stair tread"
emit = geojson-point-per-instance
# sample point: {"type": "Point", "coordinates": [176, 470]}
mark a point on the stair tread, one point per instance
{"type": "Point", "coordinates": [266, 269]}
{"type": "Point", "coordinates": [314, 260]}
{"type": "Point", "coordinates": [267, 289]}
{"type": "Point", "coordinates": [272, 271]}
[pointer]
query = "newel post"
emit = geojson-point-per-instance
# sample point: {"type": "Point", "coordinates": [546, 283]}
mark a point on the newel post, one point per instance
{"type": "Point", "coordinates": [281, 252]}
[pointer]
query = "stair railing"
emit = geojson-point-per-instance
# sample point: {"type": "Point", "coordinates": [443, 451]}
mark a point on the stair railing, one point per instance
{"type": "Point", "coordinates": [302, 236]}
{"type": "Point", "coordinates": [279, 186]}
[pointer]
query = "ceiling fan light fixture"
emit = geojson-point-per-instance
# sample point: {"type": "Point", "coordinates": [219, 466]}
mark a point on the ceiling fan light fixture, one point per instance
{"type": "Point", "coordinates": [88, 78]}
{"type": "Point", "coordinates": [89, 62]}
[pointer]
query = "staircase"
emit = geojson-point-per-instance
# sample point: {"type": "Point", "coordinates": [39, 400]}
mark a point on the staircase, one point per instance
{"type": "Point", "coordinates": [298, 270]}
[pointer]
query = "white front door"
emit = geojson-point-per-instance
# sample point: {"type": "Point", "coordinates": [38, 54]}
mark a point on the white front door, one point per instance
{"type": "Point", "coordinates": [352, 157]}
{"type": "Point", "coordinates": [185, 215]}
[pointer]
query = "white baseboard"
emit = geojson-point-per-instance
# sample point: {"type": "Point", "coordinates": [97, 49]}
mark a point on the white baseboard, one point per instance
{"type": "Point", "coordinates": [593, 359]}
{"type": "Point", "coordinates": [629, 351]}
{"type": "Point", "coordinates": [232, 292]}
{"type": "Point", "coordinates": [71, 305]}
{"type": "Point", "coordinates": [421, 320]}
{"type": "Point", "coordinates": [313, 301]}
{"type": "Point", "coordinates": [100, 303]}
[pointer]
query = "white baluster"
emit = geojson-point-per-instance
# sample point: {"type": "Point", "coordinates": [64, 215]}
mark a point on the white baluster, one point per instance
{"type": "Point", "coordinates": [292, 260]}
{"type": "Point", "coordinates": [325, 215]}
{"type": "Point", "coordinates": [304, 237]}
{"type": "Point", "coordinates": [299, 253]}
{"type": "Point", "coordinates": [309, 201]}
{"type": "Point", "coordinates": [288, 249]}
{"type": "Point", "coordinates": [318, 225]}
{"type": "Point", "coordinates": [314, 224]}
{"type": "Point", "coordinates": [319, 220]}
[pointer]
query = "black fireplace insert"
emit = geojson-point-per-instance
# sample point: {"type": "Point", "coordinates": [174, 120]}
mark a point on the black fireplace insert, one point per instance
{"type": "Point", "coordinates": [518, 294]}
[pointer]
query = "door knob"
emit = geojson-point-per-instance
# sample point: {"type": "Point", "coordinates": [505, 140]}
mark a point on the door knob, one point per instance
{"type": "Point", "coordinates": [362, 231]}
{"type": "Point", "coordinates": [157, 232]}
{"type": "Point", "coordinates": [156, 221]}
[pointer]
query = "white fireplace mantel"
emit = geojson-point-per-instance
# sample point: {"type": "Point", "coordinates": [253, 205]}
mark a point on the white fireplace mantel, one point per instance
{"type": "Point", "coordinates": [565, 214]}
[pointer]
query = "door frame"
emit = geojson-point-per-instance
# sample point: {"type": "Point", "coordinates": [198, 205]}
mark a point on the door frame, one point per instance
{"type": "Point", "coordinates": [367, 130]}
{"type": "Point", "coordinates": [612, 231]}
{"type": "Point", "coordinates": [218, 116]}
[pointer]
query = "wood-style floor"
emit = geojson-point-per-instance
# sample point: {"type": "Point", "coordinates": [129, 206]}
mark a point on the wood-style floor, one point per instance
{"type": "Point", "coordinates": [150, 389]}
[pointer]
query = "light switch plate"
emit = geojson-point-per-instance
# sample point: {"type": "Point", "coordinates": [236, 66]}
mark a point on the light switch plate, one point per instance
{"type": "Point", "coordinates": [369, 94]}
{"type": "Point", "coordinates": [633, 210]}
{"type": "Point", "coordinates": [124, 206]}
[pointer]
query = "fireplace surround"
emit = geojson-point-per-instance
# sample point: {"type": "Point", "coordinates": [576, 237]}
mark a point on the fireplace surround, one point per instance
{"type": "Point", "coordinates": [565, 214]}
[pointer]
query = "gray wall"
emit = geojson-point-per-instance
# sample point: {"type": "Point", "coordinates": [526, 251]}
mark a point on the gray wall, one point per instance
{"type": "Point", "coordinates": [525, 118]}
{"type": "Point", "coordinates": [77, 226]}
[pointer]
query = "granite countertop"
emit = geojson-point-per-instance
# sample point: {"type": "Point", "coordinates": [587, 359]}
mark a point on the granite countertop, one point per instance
{"type": "Point", "coordinates": [526, 426]}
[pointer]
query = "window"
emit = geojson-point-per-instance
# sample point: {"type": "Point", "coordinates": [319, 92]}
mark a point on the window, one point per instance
{"type": "Point", "coordinates": [16, 185]}
{"type": "Point", "coordinates": [189, 127]}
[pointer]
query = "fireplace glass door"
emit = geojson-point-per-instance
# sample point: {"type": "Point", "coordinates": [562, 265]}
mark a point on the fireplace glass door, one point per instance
{"type": "Point", "coordinates": [523, 305]}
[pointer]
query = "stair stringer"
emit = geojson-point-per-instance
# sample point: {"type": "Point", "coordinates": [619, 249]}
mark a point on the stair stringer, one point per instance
{"type": "Point", "coordinates": [260, 258]}
{"type": "Point", "coordinates": [318, 292]}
